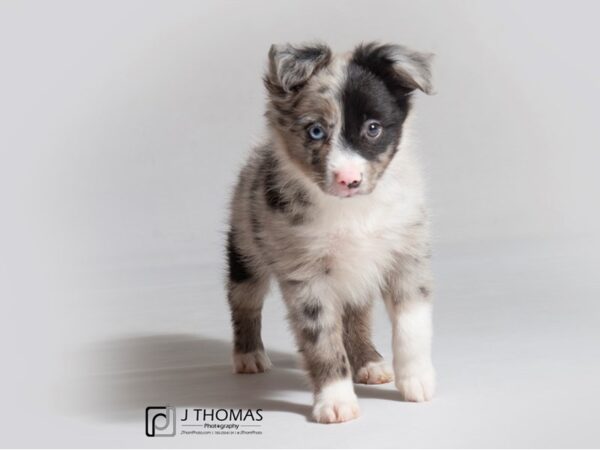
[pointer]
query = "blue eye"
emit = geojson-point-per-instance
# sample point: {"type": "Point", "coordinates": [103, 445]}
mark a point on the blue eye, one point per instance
{"type": "Point", "coordinates": [316, 132]}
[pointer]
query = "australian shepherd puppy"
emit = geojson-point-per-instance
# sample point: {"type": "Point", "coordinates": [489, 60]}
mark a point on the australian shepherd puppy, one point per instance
{"type": "Point", "coordinates": [331, 206]}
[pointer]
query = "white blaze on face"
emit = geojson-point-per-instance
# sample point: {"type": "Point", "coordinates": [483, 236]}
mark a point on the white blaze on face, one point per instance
{"type": "Point", "coordinates": [346, 172]}
{"type": "Point", "coordinates": [346, 169]}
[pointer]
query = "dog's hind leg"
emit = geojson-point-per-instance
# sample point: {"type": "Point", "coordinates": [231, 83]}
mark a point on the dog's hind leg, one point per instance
{"type": "Point", "coordinates": [368, 366]}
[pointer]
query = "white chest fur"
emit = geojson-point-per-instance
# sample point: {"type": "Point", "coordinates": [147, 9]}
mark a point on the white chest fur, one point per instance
{"type": "Point", "coordinates": [351, 243]}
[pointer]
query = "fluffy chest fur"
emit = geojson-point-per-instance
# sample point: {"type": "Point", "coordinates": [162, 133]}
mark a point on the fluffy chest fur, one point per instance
{"type": "Point", "coordinates": [350, 244]}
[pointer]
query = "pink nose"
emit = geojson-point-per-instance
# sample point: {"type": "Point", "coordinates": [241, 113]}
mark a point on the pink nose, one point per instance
{"type": "Point", "coordinates": [349, 177]}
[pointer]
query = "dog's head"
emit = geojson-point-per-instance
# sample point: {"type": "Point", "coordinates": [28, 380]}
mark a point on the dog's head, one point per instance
{"type": "Point", "coordinates": [341, 116]}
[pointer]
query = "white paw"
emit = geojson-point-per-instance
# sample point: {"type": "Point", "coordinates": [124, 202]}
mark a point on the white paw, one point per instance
{"type": "Point", "coordinates": [253, 362]}
{"type": "Point", "coordinates": [418, 385]}
{"type": "Point", "coordinates": [378, 372]}
{"type": "Point", "coordinates": [336, 403]}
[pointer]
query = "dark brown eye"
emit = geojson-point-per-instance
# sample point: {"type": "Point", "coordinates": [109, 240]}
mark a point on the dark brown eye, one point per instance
{"type": "Point", "coordinates": [373, 129]}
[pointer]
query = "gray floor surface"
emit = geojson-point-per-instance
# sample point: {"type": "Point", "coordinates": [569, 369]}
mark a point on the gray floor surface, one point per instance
{"type": "Point", "coordinates": [516, 350]}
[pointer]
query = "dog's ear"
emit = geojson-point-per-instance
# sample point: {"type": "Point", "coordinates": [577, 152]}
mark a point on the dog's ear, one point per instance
{"type": "Point", "coordinates": [402, 69]}
{"type": "Point", "coordinates": [290, 67]}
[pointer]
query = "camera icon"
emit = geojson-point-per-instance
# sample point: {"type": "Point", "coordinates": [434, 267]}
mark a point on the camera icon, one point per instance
{"type": "Point", "coordinates": [160, 421]}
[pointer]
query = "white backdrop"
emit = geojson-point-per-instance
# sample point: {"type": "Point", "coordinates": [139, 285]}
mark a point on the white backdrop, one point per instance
{"type": "Point", "coordinates": [122, 126]}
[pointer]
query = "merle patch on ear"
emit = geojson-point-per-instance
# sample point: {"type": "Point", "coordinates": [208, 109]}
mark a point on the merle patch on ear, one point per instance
{"type": "Point", "coordinates": [290, 67]}
{"type": "Point", "coordinates": [403, 70]}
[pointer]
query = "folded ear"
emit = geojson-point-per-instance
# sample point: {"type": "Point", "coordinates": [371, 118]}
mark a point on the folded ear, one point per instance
{"type": "Point", "coordinates": [404, 69]}
{"type": "Point", "coordinates": [290, 67]}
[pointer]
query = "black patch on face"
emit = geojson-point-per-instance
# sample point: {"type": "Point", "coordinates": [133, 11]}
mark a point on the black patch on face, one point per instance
{"type": "Point", "coordinates": [379, 60]}
{"type": "Point", "coordinates": [424, 291]}
{"type": "Point", "coordinates": [238, 268]}
{"type": "Point", "coordinates": [366, 97]}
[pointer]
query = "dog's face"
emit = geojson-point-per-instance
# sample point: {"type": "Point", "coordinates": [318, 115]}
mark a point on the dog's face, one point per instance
{"type": "Point", "coordinates": [340, 116]}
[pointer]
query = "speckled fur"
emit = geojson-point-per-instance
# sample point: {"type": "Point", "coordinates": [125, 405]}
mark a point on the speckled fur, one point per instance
{"type": "Point", "coordinates": [332, 256]}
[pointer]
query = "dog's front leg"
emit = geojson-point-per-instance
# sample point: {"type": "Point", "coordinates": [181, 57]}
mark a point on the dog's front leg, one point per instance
{"type": "Point", "coordinates": [407, 295]}
{"type": "Point", "coordinates": [317, 323]}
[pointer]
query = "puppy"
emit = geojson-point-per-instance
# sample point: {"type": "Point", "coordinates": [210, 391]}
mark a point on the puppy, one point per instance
{"type": "Point", "coordinates": [331, 206]}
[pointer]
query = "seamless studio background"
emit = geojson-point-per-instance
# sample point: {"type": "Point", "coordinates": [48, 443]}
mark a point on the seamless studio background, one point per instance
{"type": "Point", "coordinates": [122, 127]}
